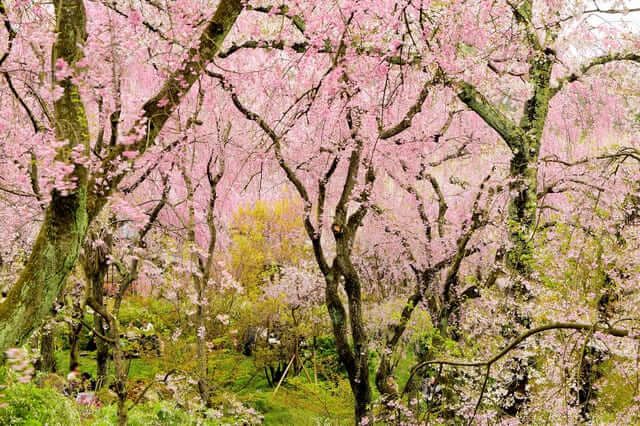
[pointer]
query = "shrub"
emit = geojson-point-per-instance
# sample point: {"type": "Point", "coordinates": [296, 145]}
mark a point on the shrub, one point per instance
{"type": "Point", "coordinates": [139, 310]}
{"type": "Point", "coordinates": [25, 404]}
{"type": "Point", "coordinates": [150, 414]}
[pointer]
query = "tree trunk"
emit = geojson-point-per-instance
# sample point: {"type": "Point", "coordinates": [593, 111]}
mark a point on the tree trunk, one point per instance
{"type": "Point", "coordinates": [201, 342]}
{"type": "Point", "coordinates": [121, 373]}
{"type": "Point", "coordinates": [58, 243]}
{"type": "Point", "coordinates": [356, 361]}
{"type": "Point", "coordinates": [94, 263]}
{"type": "Point", "coordinates": [53, 257]}
{"type": "Point", "coordinates": [385, 382]}
{"type": "Point", "coordinates": [47, 351]}
{"type": "Point", "coordinates": [362, 394]}
{"type": "Point", "coordinates": [74, 345]}
{"type": "Point", "coordinates": [102, 347]}
{"type": "Point", "coordinates": [524, 165]}
{"type": "Point", "coordinates": [77, 301]}
{"type": "Point", "coordinates": [523, 210]}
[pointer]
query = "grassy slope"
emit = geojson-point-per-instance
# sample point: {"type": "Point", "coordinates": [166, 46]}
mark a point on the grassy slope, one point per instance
{"type": "Point", "coordinates": [297, 402]}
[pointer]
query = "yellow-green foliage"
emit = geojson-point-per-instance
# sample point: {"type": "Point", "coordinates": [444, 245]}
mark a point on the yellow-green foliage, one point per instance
{"type": "Point", "coordinates": [265, 235]}
{"type": "Point", "coordinates": [576, 266]}
{"type": "Point", "coordinates": [617, 394]}
{"type": "Point", "coordinates": [25, 404]}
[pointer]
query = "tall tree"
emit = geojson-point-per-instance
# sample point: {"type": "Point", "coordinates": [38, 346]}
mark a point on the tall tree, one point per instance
{"type": "Point", "coordinates": [70, 210]}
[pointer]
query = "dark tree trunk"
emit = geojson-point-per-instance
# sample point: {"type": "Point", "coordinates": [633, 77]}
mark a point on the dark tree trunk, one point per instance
{"type": "Point", "coordinates": [74, 345]}
{"type": "Point", "coordinates": [102, 348]}
{"type": "Point", "coordinates": [47, 362]}
{"type": "Point", "coordinates": [94, 261]}
{"type": "Point", "coordinates": [356, 360]}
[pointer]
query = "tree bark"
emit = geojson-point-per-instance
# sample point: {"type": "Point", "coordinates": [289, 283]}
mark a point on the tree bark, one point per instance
{"type": "Point", "coordinates": [121, 373]}
{"type": "Point", "coordinates": [203, 371]}
{"type": "Point", "coordinates": [74, 345]}
{"type": "Point", "coordinates": [47, 351]}
{"type": "Point", "coordinates": [58, 243]}
{"type": "Point", "coordinates": [102, 348]}
{"type": "Point", "coordinates": [95, 265]}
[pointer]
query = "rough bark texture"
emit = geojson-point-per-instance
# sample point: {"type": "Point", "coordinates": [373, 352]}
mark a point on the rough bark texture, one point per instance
{"type": "Point", "coordinates": [524, 139]}
{"type": "Point", "coordinates": [524, 166]}
{"type": "Point", "coordinates": [102, 349]}
{"type": "Point", "coordinates": [58, 243]}
{"type": "Point", "coordinates": [121, 373]}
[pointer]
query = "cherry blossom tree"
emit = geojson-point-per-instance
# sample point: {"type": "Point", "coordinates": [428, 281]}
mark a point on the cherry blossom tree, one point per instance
{"type": "Point", "coordinates": [77, 198]}
{"type": "Point", "coordinates": [449, 149]}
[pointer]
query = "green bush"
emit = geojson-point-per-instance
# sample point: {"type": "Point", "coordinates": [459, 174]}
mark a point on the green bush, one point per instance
{"type": "Point", "coordinates": [151, 414]}
{"type": "Point", "coordinates": [139, 310]}
{"type": "Point", "coordinates": [4, 376]}
{"type": "Point", "coordinates": [31, 406]}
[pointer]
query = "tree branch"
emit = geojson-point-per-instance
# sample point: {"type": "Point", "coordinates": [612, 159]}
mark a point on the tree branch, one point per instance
{"type": "Point", "coordinates": [616, 332]}
{"type": "Point", "coordinates": [476, 101]}
{"type": "Point", "coordinates": [597, 61]}
{"type": "Point", "coordinates": [414, 110]}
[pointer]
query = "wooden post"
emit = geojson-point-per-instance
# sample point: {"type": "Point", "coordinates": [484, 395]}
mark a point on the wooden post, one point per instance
{"type": "Point", "coordinates": [284, 375]}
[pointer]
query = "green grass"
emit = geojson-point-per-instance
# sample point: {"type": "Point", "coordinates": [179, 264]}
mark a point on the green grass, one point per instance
{"type": "Point", "coordinates": [140, 369]}
{"type": "Point", "coordinates": [297, 402]}
{"type": "Point", "coordinates": [303, 405]}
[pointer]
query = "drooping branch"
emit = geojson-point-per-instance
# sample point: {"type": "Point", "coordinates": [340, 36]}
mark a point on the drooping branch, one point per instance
{"type": "Point", "coordinates": [616, 332]}
{"type": "Point", "coordinates": [595, 62]}
{"type": "Point", "coordinates": [10, 32]}
{"type": "Point", "coordinates": [145, 175]}
{"type": "Point", "coordinates": [154, 29]}
{"type": "Point", "coordinates": [611, 11]}
{"type": "Point", "coordinates": [32, 118]}
{"type": "Point", "coordinates": [422, 212]}
{"type": "Point", "coordinates": [523, 13]}
{"type": "Point", "coordinates": [299, 47]}
{"type": "Point", "coordinates": [282, 10]}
